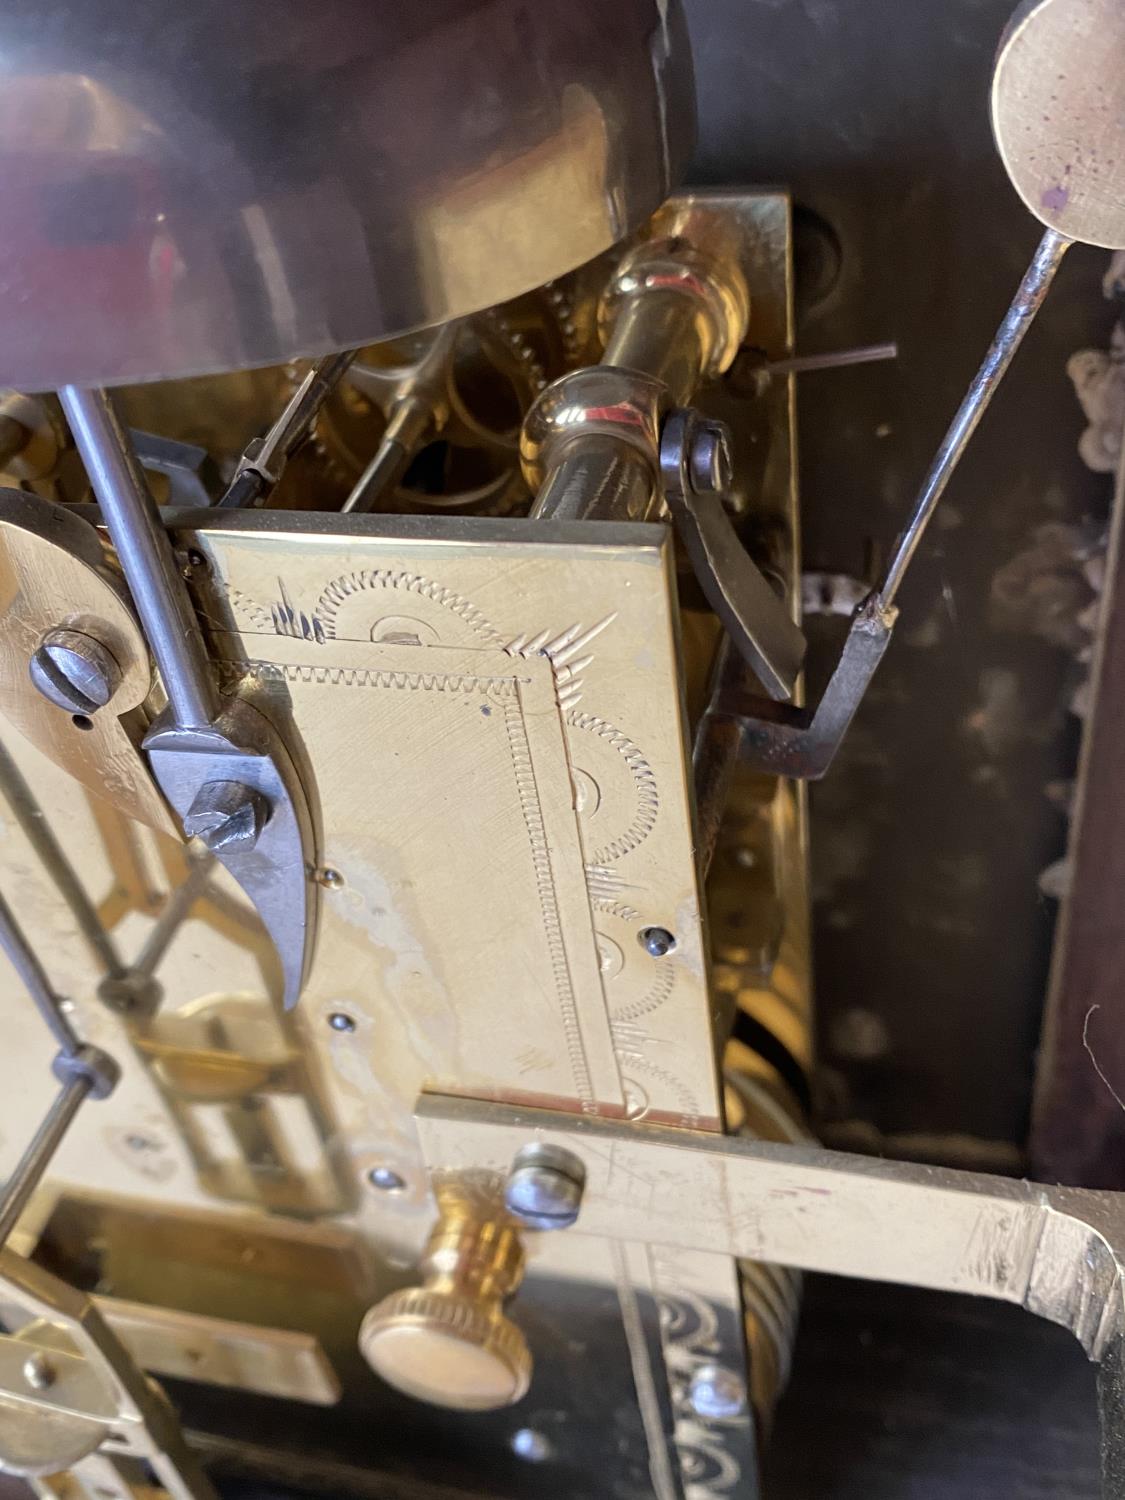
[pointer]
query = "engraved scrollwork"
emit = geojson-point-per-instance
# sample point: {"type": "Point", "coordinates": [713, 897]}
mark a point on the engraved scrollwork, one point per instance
{"type": "Point", "coordinates": [636, 989]}
{"type": "Point", "coordinates": [344, 607]}
{"type": "Point", "coordinates": [708, 1469]}
{"type": "Point", "coordinates": [250, 617]}
{"type": "Point", "coordinates": [544, 881]}
{"type": "Point", "coordinates": [629, 1041]}
{"type": "Point", "coordinates": [646, 795]}
{"type": "Point", "coordinates": [691, 1337]}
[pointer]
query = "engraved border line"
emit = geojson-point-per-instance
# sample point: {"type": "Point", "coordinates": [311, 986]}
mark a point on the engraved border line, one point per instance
{"type": "Point", "coordinates": [528, 794]}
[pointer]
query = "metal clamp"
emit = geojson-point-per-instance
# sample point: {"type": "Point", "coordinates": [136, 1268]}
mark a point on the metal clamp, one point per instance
{"type": "Point", "coordinates": [202, 738]}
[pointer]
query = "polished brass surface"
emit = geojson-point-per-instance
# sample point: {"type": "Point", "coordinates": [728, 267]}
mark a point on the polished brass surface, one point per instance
{"type": "Point", "coordinates": [600, 401]}
{"type": "Point", "coordinates": [189, 1346]}
{"type": "Point", "coordinates": [678, 306]}
{"type": "Point", "coordinates": [317, 184]}
{"type": "Point", "coordinates": [492, 716]}
{"type": "Point", "coordinates": [488, 652]}
{"type": "Point", "coordinates": [448, 1341]}
{"type": "Point", "coordinates": [675, 310]}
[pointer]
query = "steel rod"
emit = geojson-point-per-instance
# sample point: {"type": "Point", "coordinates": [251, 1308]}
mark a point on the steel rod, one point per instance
{"type": "Point", "coordinates": [40, 1153]}
{"type": "Point", "coordinates": [802, 364]}
{"type": "Point", "coordinates": [171, 917]}
{"type": "Point", "coordinates": [145, 554]}
{"type": "Point", "coordinates": [1027, 302]}
{"type": "Point", "coordinates": [301, 411]}
{"type": "Point", "coordinates": [40, 835]}
{"type": "Point", "coordinates": [409, 422]}
{"type": "Point", "coordinates": [25, 961]}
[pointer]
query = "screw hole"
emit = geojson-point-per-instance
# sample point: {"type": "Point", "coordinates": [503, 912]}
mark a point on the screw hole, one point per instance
{"type": "Point", "coordinates": [81, 721]}
{"type": "Point", "coordinates": [339, 1020]}
{"type": "Point", "coordinates": [330, 879]}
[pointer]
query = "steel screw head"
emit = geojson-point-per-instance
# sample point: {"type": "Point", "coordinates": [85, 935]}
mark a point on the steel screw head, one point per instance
{"type": "Point", "coordinates": [74, 671]}
{"type": "Point", "coordinates": [710, 466]}
{"type": "Point", "coordinates": [39, 1372]}
{"type": "Point", "coordinates": [386, 1179]}
{"type": "Point", "coordinates": [657, 941]}
{"type": "Point", "coordinates": [545, 1187]}
{"type": "Point", "coordinates": [717, 1394]}
{"type": "Point", "coordinates": [227, 815]}
{"type": "Point", "coordinates": [533, 1445]}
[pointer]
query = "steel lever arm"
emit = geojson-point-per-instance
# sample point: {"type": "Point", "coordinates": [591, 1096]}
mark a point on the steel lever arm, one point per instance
{"type": "Point", "coordinates": [755, 618]}
{"type": "Point", "coordinates": [220, 762]}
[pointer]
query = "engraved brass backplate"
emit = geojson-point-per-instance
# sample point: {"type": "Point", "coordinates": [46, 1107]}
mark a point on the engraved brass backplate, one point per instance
{"type": "Point", "coordinates": [494, 715]}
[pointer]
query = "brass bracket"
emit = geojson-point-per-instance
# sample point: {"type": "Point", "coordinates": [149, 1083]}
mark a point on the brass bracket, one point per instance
{"type": "Point", "coordinates": [1058, 1252]}
{"type": "Point", "coordinates": [69, 1390]}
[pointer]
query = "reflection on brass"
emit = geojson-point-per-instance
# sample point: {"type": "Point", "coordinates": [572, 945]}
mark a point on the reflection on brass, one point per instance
{"type": "Point", "coordinates": [674, 311]}
{"type": "Point", "coordinates": [140, 1251]}
{"type": "Point", "coordinates": [448, 1341]}
{"type": "Point", "coordinates": [529, 813]}
{"type": "Point", "coordinates": [678, 304]}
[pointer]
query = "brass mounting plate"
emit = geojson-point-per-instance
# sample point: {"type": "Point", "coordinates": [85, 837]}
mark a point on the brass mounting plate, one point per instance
{"type": "Point", "coordinates": [494, 715]}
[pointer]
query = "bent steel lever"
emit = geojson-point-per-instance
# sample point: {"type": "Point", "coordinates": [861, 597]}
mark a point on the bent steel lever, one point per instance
{"type": "Point", "coordinates": [754, 616]}
{"type": "Point", "coordinates": [1056, 97]}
